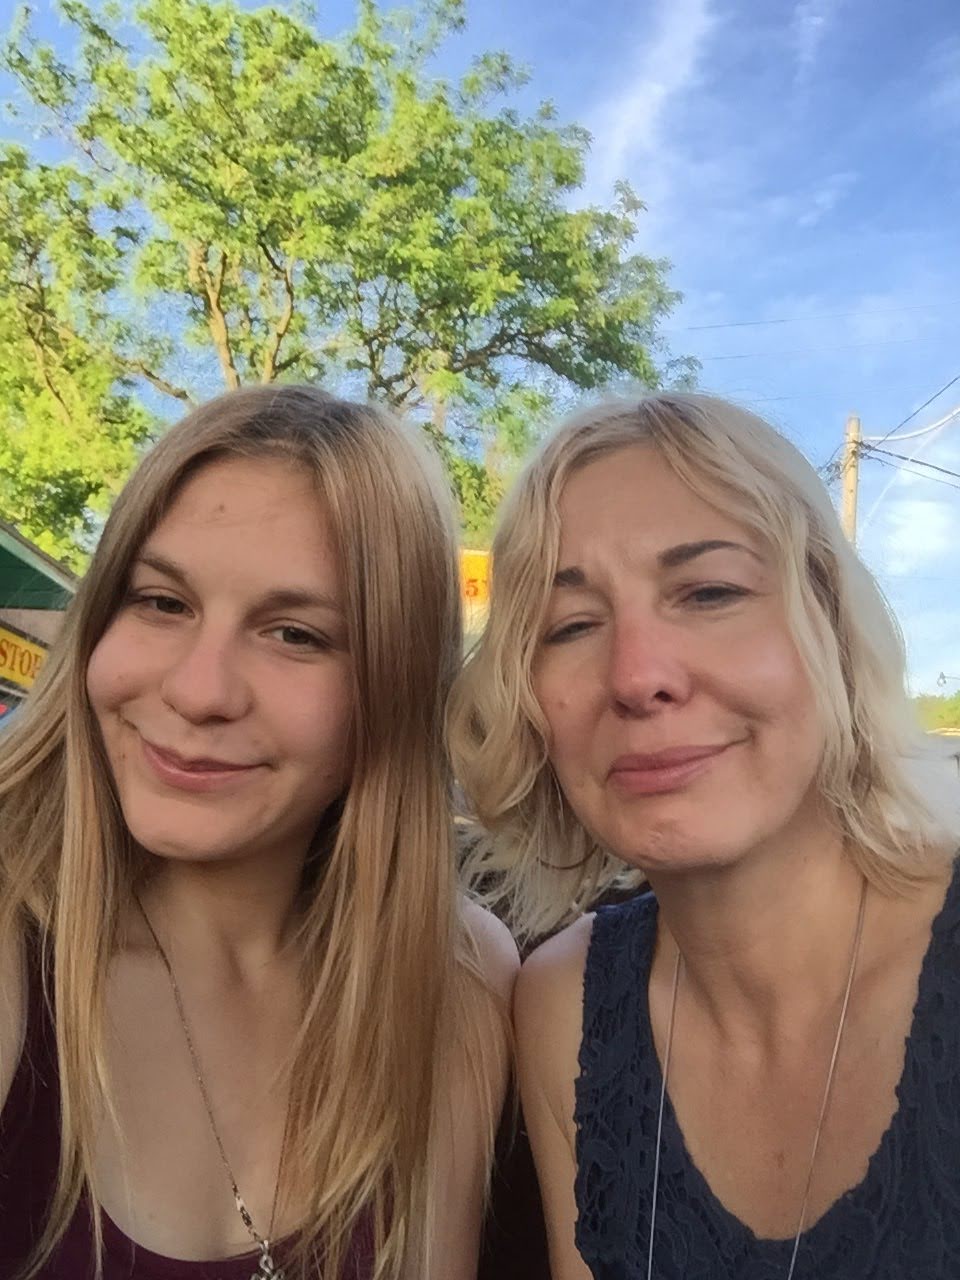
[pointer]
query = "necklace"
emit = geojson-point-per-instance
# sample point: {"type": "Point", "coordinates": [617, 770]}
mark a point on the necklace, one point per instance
{"type": "Point", "coordinates": [854, 953]}
{"type": "Point", "coordinates": [267, 1269]}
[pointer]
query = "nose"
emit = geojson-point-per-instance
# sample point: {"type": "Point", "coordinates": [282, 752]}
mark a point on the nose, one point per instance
{"type": "Point", "coordinates": [647, 670]}
{"type": "Point", "coordinates": [204, 681]}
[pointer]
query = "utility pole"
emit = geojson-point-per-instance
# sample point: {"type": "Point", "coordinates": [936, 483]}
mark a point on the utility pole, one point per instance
{"type": "Point", "coordinates": [850, 475]}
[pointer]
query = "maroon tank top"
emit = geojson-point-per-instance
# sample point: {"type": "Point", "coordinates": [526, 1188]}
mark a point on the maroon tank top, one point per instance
{"type": "Point", "coordinates": [29, 1156]}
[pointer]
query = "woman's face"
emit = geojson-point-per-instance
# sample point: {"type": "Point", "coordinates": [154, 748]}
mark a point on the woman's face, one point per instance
{"type": "Point", "coordinates": [681, 724]}
{"type": "Point", "coordinates": [223, 687]}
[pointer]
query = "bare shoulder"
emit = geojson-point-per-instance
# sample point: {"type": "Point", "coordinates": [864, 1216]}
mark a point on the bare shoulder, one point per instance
{"type": "Point", "coordinates": [496, 950]}
{"type": "Point", "coordinates": [12, 1008]}
{"type": "Point", "coordinates": [551, 980]}
{"type": "Point", "coordinates": [481, 1047]}
{"type": "Point", "coordinates": [548, 1022]}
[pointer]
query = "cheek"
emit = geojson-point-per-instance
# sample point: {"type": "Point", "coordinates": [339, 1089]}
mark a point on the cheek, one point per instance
{"type": "Point", "coordinates": [106, 675]}
{"type": "Point", "coordinates": [319, 730]}
{"type": "Point", "coordinates": [552, 697]}
{"type": "Point", "coordinates": [778, 693]}
{"type": "Point", "coordinates": [568, 732]}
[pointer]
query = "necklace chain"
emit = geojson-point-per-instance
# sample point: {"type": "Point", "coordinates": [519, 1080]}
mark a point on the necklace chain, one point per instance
{"type": "Point", "coordinates": [854, 954]}
{"type": "Point", "coordinates": [267, 1268]}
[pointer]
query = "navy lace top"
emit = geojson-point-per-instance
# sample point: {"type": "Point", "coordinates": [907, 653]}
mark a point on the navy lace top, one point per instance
{"type": "Point", "coordinates": [902, 1221]}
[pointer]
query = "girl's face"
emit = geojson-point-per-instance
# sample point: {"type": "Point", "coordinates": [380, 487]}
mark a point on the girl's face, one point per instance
{"type": "Point", "coordinates": [681, 724]}
{"type": "Point", "coordinates": [223, 687]}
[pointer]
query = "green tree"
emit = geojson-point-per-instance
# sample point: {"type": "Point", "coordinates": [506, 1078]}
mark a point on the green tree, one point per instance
{"type": "Point", "coordinates": [938, 711]}
{"type": "Point", "coordinates": [255, 201]}
{"type": "Point", "coordinates": [71, 419]}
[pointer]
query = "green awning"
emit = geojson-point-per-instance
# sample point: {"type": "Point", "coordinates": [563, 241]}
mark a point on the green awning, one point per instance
{"type": "Point", "coordinates": [29, 578]}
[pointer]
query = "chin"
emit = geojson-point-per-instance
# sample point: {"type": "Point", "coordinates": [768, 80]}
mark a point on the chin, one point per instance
{"type": "Point", "coordinates": [187, 843]}
{"type": "Point", "coordinates": [175, 849]}
{"type": "Point", "coordinates": [675, 849]}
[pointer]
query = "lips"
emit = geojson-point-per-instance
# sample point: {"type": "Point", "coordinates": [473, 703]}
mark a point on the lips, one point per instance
{"type": "Point", "coordinates": [195, 764]}
{"type": "Point", "coordinates": [666, 759]}
{"type": "Point", "coordinates": [194, 773]}
{"type": "Point", "coordinates": [658, 772]}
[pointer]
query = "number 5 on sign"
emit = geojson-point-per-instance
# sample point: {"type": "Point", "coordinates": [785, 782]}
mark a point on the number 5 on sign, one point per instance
{"type": "Point", "coordinates": [474, 587]}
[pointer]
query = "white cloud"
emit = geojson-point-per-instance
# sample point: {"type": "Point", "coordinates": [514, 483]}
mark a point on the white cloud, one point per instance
{"type": "Point", "coordinates": [943, 80]}
{"type": "Point", "coordinates": [629, 126]}
{"type": "Point", "coordinates": [919, 531]}
{"type": "Point", "coordinates": [826, 197]}
{"type": "Point", "coordinates": [808, 29]}
{"type": "Point", "coordinates": [914, 515]}
{"type": "Point", "coordinates": [913, 545]}
{"type": "Point", "coordinates": [801, 206]}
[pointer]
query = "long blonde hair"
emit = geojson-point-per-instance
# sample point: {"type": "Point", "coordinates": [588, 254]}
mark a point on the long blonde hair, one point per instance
{"type": "Point", "coordinates": [387, 975]}
{"type": "Point", "coordinates": [541, 867]}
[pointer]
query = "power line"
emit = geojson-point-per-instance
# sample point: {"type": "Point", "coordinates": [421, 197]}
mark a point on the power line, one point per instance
{"type": "Point", "coordinates": [751, 399]}
{"type": "Point", "coordinates": [926, 439]}
{"type": "Point", "coordinates": [923, 476]}
{"type": "Point", "coordinates": [828, 470]}
{"type": "Point", "coordinates": [919, 461]}
{"type": "Point", "coordinates": [826, 315]}
{"type": "Point", "coordinates": [910, 416]}
{"type": "Point", "coordinates": [803, 351]}
{"type": "Point", "coordinates": [924, 431]}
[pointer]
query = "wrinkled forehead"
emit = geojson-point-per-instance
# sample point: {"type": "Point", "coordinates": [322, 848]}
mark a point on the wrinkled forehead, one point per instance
{"type": "Point", "coordinates": [632, 500]}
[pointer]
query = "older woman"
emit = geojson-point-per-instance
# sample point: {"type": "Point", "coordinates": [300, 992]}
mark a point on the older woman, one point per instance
{"type": "Point", "coordinates": [247, 1025]}
{"type": "Point", "coordinates": [688, 675]}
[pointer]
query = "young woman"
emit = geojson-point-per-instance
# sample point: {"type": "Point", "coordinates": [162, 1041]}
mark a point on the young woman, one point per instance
{"type": "Point", "coordinates": [689, 676]}
{"type": "Point", "coordinates": [247, 1026]}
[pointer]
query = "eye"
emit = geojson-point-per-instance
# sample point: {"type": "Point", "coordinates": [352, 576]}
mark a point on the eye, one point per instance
{"type": "Point", "coordinates": [300, 638]}
{"type": "Point", "coordinates": [714, 594]}
{"type": "Point", "coordinates": [157, 603]}
{"type": "Point", "coordinates": [568, 631]}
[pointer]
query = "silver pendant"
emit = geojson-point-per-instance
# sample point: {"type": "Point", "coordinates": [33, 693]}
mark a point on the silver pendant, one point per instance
{"type": "Point", "coordinates": [267, 1269]}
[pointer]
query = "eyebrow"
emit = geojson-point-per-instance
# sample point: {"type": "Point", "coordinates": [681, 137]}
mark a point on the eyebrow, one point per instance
{"type": "Point", "coordinates": [281, 598]}
{"type": "Point", "coordinates": [671, 558]}
{"type": "Point", "coordinates": [684, 552]}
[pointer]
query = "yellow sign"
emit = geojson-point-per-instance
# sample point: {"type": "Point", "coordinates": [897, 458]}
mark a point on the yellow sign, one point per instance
{"type": "Point", "coordinates": [475, 578]}
{"type": "Point", "coordinates": [20, 659]}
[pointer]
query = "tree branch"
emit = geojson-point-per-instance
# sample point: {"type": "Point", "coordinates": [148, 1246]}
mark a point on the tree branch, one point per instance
{"type": "Point", "coordinates": [216, 316]}
{"type": "Point", "coordinates": [41, 361]}
{"type": "Point", "coordinates": [498, 344]}
{"type": "Point", "coordinates": [67, 334]}
{"type": "Point", "coordinates": [272, 350]}
{"type": "Point", "coordinates": [155, 380]}
{"type": "Point", "coordinates": [287, 363]}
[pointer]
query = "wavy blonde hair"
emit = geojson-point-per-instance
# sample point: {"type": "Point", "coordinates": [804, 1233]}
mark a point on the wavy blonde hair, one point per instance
{"type": "Point", "coordinates": [389, 979]}
{"type": "Point", "coordinates": [540, 867]}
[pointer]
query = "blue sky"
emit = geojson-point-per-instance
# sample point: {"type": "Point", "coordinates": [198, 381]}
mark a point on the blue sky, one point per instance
{"type": "Point", "coordinates": [800, 160]}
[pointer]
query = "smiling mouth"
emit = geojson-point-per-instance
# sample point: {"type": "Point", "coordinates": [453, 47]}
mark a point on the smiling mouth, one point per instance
{"type": "Point", "coordinates": [198, 774]}
{"type": "Point", "coordinates": [197, 765]}
{"type": "Point", "coordinates": [657, 773]}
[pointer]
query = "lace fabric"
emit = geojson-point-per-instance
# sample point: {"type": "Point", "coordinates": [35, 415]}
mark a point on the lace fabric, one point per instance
{"type": "Point", "coordinates": [902, 1221]}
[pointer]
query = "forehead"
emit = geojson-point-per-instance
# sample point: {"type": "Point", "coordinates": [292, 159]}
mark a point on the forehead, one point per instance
{"type": "Point", "coordinates": [633, 501]}
{"type": "Point", "coordinates": [263, 513]}
{"type": "Point", "coordinates": [233, 488]}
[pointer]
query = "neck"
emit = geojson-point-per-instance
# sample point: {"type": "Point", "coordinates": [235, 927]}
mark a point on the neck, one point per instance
{"type": "Point", "coordinates": [767, 942]}
{"type": "Point", "coordinates": [233, 919]}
